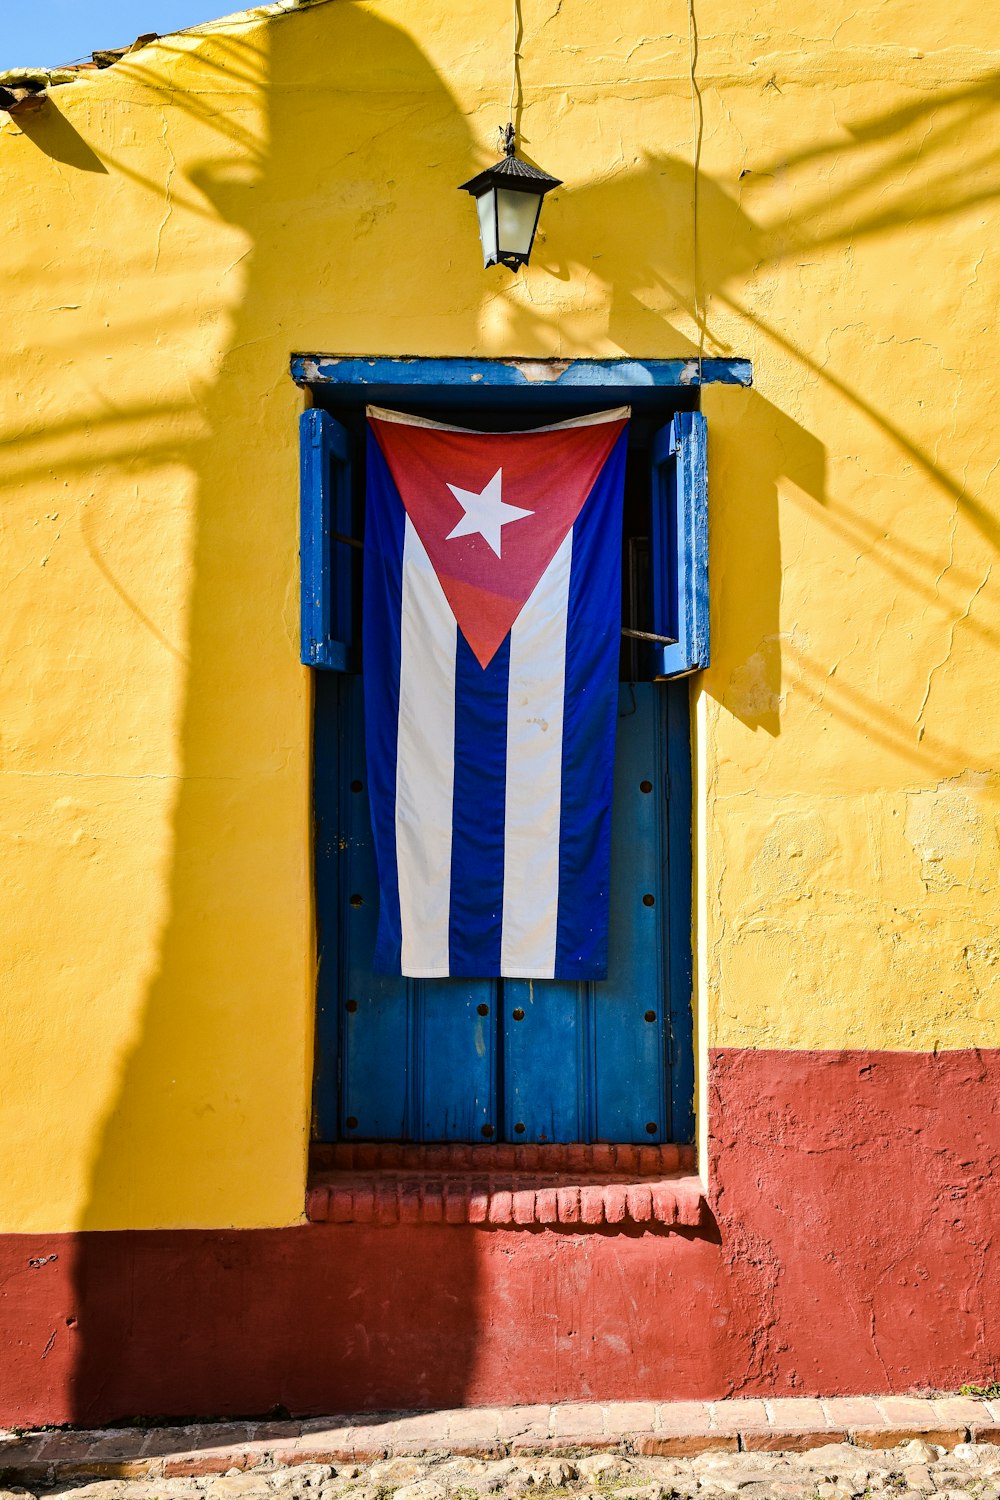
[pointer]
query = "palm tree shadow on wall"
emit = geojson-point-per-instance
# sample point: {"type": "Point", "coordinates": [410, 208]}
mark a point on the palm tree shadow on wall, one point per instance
{"type": "Point", "coordinates": [244, 1321]}
{"type": "Point", "coordinates": [293, 1305]}
{"type": "Point", "coordinates": [899, 171]}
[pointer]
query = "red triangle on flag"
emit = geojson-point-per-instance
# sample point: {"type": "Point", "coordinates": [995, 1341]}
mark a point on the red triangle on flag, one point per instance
{"type": "Point", "coordinates": [492, 508]}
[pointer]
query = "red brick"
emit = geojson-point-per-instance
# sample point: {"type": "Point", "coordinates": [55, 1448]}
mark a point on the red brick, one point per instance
{"type": "Point", "coordinates": [953, 1410]}
{"type": "Point", "coordinates": [630, 1417]}
{"type": "Point", "coordinates": [568, 1199]}
{"type": "Point", "coordinates": [26, 1450]}
{"type": "Point", "coordinates": [661, 1446]}
{"type": "Point", "coordinates": [670, 1158]}
{"type": "Point", "coordinates": [796, 1413]}
{"type": "Point", "coordinates": [906, 1411]}
{"type": "Point", "coordinates": [791, 1440]}
{"type": "Point", "coordinates": [367, 1444]}
{"type": "Point", "coordinates": [578, 1159]}
{"type": "Point", "coordinates": [523, 1206]}
{"type": "Point", "coordinates": [433, 1202]}
{"type": "Point", "coordinates": [546, 1206]}
{"type": "Point", "coordinates": [640, 1202]}
{"type": "Point", "coordinates": [473, 1431]}
{"type": "Point", "coordinates": [892, 1436]}
{"type": "Point", "coordinates": [318, 1205]}
{"type": "Point", "coordinates": [524, 1422]}
{"type": "Point", "coordinates": [68, 1447]}
{"type": "Point", "coordinates": [738, 1416]}
{"type": "Point", "coordinates": [681, 1418]}
{"type": "Point", "coordinates": [126, 1444]}
{"type": "Point", "coordinates": [592, 1205]}
{"type": "Point", "coordinates": [193, 1465]}
{"type": "Point", "coordinates": [690, 1202]}
{"type": "Point", "coordinates": [627, 1159]}
{"type": "Point", "coordinates": [364, 1203]}
{"type": "Point", "coordinates": [456, 1202]}
{"type": "Point", "coordinates": [162, 1440]}
{"type": "Point", "coordinates": [333, 1424]}
{"type": "Point", "coordinates": [342, 1205]}
{"type": "Point", "coordinates": [852, 1411]}
{"type": "Point", "coordinates": [338, 1447]}
{"type": "Point", "coordinates": [578, 1422]}
{"type": "Point", "coordinates": [664, 1200]}
{"type": "Point", "coordinates": [615, 1204]}
{"type": "Point", "coordinates": [386, 1206]}
{"type": "Point", "coordinates": [273, 1432]}
{"type": "Point", "coordinates": [108, 1468]}
{"type": "Point", "coordinates": [409, 1202]}
{"type": "Point", "coordinates": [479, 1203]}
{"type": "Point", "coordinates": [501, 1207]}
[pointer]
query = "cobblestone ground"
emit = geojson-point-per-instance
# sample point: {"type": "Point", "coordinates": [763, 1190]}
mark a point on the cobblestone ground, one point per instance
{"type": "Point", "coordinates": [838, 1471]}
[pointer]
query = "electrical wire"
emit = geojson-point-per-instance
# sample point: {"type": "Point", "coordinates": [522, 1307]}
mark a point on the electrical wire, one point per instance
{"type": "Point", "coordinates": [697, 129]}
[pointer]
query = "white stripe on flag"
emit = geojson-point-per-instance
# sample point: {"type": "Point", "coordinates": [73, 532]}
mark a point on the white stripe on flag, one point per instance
{"type": "Point", "coordinates": [425, 764]}
{"type": "Point", "coordinates": [535, 696]}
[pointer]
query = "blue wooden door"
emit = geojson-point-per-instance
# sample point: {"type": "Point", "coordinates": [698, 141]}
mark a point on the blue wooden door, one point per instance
{"type": "Point", "coordinates": [438, 1060]}
{"type": "Point", "coordinates": [587, 1062]}
{"type": "Point", "coordinates": [511, 1060]}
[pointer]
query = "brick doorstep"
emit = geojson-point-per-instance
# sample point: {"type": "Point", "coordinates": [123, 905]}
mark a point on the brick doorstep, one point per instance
{"type": "Point", "coordinates": [673, 1428]}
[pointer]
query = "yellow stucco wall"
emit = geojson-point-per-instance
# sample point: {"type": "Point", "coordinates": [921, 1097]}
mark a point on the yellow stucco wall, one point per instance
{"type": "Point", "coordinates": [174, 227]}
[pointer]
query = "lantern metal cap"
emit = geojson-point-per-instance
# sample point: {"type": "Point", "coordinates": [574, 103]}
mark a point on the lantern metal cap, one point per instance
{"type": "Point", "coordinates": [511, 171]}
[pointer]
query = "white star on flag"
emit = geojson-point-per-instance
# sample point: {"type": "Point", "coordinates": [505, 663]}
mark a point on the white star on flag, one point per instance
{"type": "Point", "coordinates": [485, 513]}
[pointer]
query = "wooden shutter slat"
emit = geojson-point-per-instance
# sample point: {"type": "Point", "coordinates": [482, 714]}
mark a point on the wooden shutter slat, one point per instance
{"type": "Point", "coordinates": [327, 565]}
{"type": "Point", "coordinates": [680, 545]}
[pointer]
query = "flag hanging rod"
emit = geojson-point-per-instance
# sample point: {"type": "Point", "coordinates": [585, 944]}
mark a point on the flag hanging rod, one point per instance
{"type": "Point", "coordinates": [647, 635]}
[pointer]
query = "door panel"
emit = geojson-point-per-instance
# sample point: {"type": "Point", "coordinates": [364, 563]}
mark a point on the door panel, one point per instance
{"type": "Point", "coordinates": [629, 1031]}
{"type": "Point", "coordinates": [585, 1063]}
{"type": "Point", "coordinates": [418, 1057]}
{"type": "Point", "coordinates": [546, 1060]}
{"type": "Point", "coordinates": [454, 1068]}
{"type": "Point", "coordinates": [473, 1060]}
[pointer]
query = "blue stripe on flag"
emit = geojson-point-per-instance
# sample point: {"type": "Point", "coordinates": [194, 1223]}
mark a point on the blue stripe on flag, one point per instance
{"type": "Point", "coordinates": [478, 819]}
{"type": "Point", "coordinates": [385, 525]}
{"type": "Point", "coordinates": [591, 706]}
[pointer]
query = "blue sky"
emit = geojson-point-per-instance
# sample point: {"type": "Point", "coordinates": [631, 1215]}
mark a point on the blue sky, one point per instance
{"type": "Point", "coordinates": [42, 33]}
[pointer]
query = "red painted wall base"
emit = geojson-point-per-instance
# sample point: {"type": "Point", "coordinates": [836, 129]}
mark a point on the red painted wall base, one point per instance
{"type": "Point", "coordinates": [855, 1247]}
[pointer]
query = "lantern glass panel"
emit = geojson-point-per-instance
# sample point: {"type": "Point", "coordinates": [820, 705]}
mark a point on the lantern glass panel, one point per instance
{"type": "Point", "coordinates": [486, 208]}
{"type": "Point", "coordinates": [517, 215]}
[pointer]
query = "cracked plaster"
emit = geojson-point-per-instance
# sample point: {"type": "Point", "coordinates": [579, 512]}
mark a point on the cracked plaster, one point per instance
{"type": "Point", "coordinates": [176, 224]}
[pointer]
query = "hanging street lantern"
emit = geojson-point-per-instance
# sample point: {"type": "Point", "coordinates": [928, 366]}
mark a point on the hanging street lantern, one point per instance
{"type": "Point", "coordinates": [509, 199]}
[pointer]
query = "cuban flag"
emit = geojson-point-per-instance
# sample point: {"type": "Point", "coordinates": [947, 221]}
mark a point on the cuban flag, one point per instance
{"type": "Point", "coordinates": [492, 617]}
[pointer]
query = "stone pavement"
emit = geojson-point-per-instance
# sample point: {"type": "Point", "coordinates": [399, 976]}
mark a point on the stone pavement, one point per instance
{"type": "Point", "coordinates": [833, 1471]}
{"type": "Point", "coordinates": [497, 1450]}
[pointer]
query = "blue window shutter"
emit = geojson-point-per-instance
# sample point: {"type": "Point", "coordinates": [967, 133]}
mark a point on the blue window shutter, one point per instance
{"type": "Point", "coordinates": [680, 545]}
{"type": "Point", "coordinates": [327, 564]}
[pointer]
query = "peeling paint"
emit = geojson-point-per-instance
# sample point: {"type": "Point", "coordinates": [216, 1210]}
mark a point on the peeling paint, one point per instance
{"type": "Point", "coordinates": [539, 369]}
{"type": "Point", "coordinates": [159, 1023]}
{"type": "Point", "coordinates": [954, 830]}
